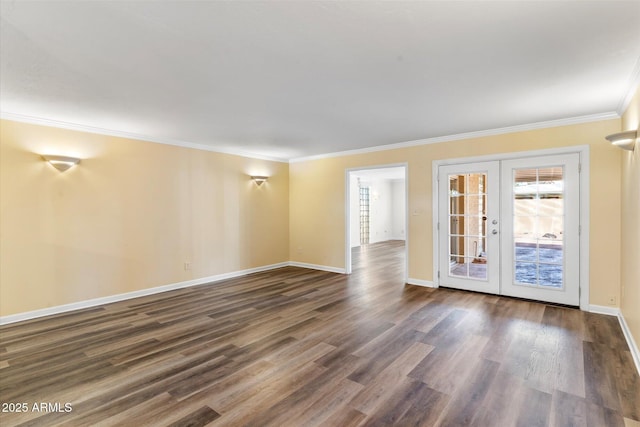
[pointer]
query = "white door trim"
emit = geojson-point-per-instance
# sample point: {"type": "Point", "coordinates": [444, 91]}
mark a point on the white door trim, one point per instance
{"type": "Point", "coordinates": [582, 150]}
{"type": "Point", "coordinates": [347, 212]}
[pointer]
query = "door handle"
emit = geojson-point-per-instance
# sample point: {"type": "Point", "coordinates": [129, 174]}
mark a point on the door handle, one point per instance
{"type": "Point", "coordinates": [494, 231]}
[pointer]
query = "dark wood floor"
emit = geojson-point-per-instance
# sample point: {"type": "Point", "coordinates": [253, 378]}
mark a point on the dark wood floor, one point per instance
{"type": "Point", "coordinates": [296, 347]}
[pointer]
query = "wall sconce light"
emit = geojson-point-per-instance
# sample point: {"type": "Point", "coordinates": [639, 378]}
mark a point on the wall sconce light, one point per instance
{"type": "Point", "coordinates": [625, 140]}
{"type": "Point", "coordinates": [259, 179]}
{"type": "Point", "coordinates": [62, 163]}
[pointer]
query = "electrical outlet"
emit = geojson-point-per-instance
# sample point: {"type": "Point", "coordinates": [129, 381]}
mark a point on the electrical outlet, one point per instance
{"type": "Point", "coordinates": [612, 300]}
{"type": "Point", "coordinates": [187, 265]}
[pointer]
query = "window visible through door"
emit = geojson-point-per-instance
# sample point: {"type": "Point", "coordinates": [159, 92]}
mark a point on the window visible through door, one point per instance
{"type": "Point", "coordinates": [364, 215]}
{"type": "Point", "coordinates": [467, 224]}
{"type": "Point", "coordinates": [538, 226]}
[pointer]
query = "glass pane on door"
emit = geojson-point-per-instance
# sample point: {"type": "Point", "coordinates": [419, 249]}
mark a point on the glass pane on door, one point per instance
{"type": "Point", "coordinates": [467, 225]}
{"type": "Point", "coordinates": [538, 227]}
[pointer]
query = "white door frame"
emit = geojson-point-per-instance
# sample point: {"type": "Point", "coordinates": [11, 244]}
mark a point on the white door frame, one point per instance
{"type": "Point", "coordinates": [347, 212]}
{"type": "Point", "coordinates": [582, 150]}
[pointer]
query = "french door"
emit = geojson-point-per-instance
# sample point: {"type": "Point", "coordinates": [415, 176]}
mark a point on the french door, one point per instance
{"type": "Point", "coordinates": [511, 227]}
{"type": "Point", "coordinates": [468, 221]}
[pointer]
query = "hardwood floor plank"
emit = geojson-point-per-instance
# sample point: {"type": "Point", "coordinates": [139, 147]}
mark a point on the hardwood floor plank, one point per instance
{"type": "Point", "coordinates": [604, 330]}
{"type": "Point", "coordinates": [293, 406]}
{"type": "Point", "coordinates": [568, 370]}
{"type": "Point", "coordinates": [503, 334]}
{"type": "Point", "coordinates": [401, 403]}
{"type": "Point", "coordinates": [256, 401]}
{"type": "Point", "coordinates": [142, 414]}
{"type": "Point", "coordinates": [510, 402]}
{"type": "Point", "coordinates": [297, 347]}
{"type": "Point", "coordinates": [345, 345]}
{"type": "Point", "coordinates": [347, 417]}
{"type": "Point", "coordinates": [227, 395]}
{"type": "Point", "coordinates": [601, 386]}
{"type": "Point", "coordinates": [447, 369]}
{"type": "Point", "coordinates": [628, 385]}
{"type": "Point", "coordinates": [445, 333]}
{"type": "Point", "coordinates": [425, 409]}
{"type": "Point", "coordinates": [568, 410]}
{"type": "Point", "coordinates": [332, 401]}
{"type": "Point", "coordinates": [534, 409]}
{"type": "Point", "coordinates": [385, 355]}
{"type": "Point", "coordinates": [390, 378]}
{"type": "Point", "coordinates": [469, 398]}
{"type": "Point", "coordinates": [201, 417]}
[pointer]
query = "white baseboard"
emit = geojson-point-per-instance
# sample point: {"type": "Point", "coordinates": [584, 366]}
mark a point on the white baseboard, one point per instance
{"type": "Point", "coordinates": [4, 320]}
{"type": "Point", "coordinates": [317, 267]}
{"type": "Point", "coordinates": [603, 309]}
{"type": "Point", "coordinates": [420, 282]}
{"type": "Point", "coordinates": [614, 311]}
{"type": "Point", "coordinates": [630, 341]}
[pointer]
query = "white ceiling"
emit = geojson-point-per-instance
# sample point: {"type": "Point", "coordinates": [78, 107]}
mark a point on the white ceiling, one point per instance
{"type": "Point", "coordinates": [292, 79]}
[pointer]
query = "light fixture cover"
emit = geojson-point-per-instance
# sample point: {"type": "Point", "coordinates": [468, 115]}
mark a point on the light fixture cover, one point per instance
{"type": "Point", "coordinates": [625, 140]}
{"type": "Point", "coordinates": [62, 163]}
{"type": "Point", "coordinates": [259, 179]}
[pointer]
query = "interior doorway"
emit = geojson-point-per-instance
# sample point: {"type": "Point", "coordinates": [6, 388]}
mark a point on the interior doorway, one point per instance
{"type": "Point", "coordinates": [376, 209]}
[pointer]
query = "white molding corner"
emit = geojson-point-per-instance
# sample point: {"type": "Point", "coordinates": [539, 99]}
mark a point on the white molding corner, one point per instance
{"type": "Point", "coordinates": [421, 282]}
{"type": "Point", "coordinates": [633, 347]}
{"type": "Point", "coordinates": [13, 318]}
{"type": "Point", "coordinates": [615, 311]}
{"type": "Point", "coordinates": [317, 267]}
{"type": "Point", "coordinates": [603, 309]}
{"type": "Point", "coordinates": [632, 86]}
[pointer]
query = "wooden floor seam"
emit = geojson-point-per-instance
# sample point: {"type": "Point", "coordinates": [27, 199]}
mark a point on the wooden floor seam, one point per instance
{"type": "Point", "coordinates": [300, 347]}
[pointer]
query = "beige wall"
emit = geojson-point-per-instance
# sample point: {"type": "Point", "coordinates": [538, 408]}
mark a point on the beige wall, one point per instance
{"type": "Point", "coordinates": [128, 217]}
{"type": "Point", "coordinates": [133, 212]}
{"type": "Point", "coordinates": [317, 198]}
{"type": "Point", "coordinates": [630, 259]}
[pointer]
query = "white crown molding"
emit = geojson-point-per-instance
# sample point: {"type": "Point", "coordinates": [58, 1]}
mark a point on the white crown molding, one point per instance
{"type": "Point", "coordinates": [467, 135]}
{"type": "Point", "coordinates": [447, 138]}
{"type": "Point", "coordinates": [632, 86]}
{"type": "Point", "coordinates": [129, 135]}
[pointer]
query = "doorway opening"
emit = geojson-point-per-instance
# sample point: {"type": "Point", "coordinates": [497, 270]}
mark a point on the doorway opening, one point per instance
{"type": "Point", "coordinates": [376, 211]}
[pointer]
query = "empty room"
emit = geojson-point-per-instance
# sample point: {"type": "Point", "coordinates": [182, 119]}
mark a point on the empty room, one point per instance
{"type": "Point", "coordinates": [319, 213]}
